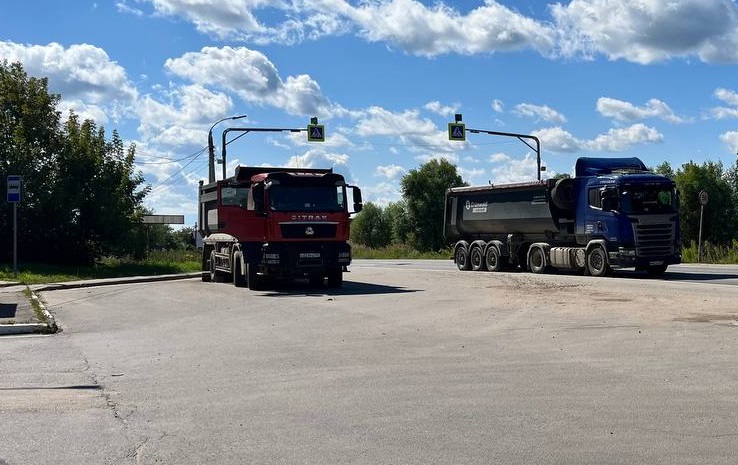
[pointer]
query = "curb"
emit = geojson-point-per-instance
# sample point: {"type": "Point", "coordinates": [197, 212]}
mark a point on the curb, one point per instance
{"type": "Point", "coordinates": [51, 326]}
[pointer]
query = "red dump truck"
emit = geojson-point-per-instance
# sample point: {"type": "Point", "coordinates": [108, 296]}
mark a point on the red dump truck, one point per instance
{"type": "Point", "coordinates": [267, 223]}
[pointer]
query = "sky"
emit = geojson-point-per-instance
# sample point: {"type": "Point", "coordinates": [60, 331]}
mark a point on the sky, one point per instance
{"type": "Point", "coordinates": [656, 79]}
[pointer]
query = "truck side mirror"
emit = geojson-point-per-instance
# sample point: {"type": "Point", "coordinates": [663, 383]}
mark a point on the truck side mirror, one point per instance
{"type": "Point", "coordinates": [609, 200]}
{"type": "Point", "coordinates": [358, 204]}
{"type": "Point", "coordinates": [257, 196]}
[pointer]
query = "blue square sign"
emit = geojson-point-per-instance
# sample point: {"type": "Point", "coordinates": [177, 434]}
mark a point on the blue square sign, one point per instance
{"type": "Point", "coordinates": [14, 187]}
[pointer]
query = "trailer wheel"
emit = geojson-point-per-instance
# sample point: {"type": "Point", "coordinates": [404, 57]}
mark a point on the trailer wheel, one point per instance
{"type": "Point", "coordinates": [492, 258]}
{"type": "Point", "coordinates": [597, 261]}
{"type": "Point", "coordinates": [536, 260]}
{"type": "Point", "coordinates": [205, 268]}
{"type": "Point", "coordinates": [476, 258]}
{"type": "Point", "coordinates": [462, 259]}
{"type": "Point", "coordinates": [239, 280]}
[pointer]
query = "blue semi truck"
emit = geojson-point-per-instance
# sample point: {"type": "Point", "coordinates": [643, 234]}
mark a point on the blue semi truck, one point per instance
{"type": "Point", "coordinates": [615, 213]}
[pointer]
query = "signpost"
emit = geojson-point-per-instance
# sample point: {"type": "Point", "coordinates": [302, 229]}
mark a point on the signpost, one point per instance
{"type": "Point", "coordinates": [703, 201]}
{"type": "Point", "coordinates": [14, 196]}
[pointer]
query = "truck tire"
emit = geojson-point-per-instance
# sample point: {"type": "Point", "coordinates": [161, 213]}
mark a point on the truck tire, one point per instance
{"type": "Point", "coordinates": [253, 280]}
{"type": "Point", "coordinates": [476, 258]}
{"type": "Point", "coordinates": [597, 262]}
{"type": "Point", "coordinates": [239, 279]}
{"type": "Point", "coordinates": [461, 257]}
{"type": "Point", "coordinates": [335, 278]}
{"type": "Point", "coordinates": [536, 260]}
{"type": "Point", "coordinates": [214, 276]}
{"type": "Point", "coordinates": [205, 268]}
{"type": "Point", "coordinates": [492, 259]}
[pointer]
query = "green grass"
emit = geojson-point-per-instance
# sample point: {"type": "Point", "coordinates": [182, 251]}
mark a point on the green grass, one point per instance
{"type": "Point", "coordinates": [711, 253]}
{"type": "Point", "coordinates": [158, 263]}
{"type": "Point", "coordinates": [395, 252]}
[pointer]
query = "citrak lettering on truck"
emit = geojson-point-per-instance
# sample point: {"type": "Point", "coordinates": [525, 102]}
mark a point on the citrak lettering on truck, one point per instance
{"type": "Point", "coordinates": [309, 217]}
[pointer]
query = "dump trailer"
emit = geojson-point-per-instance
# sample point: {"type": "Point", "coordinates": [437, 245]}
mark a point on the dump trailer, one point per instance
{"type": "Point", "coordinates": [276, 222]}
{"type": "Point", "coordinates": [613, 214]}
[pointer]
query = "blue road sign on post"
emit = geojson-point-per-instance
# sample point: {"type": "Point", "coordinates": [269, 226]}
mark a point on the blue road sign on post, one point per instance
{"type": "Point", "coordinates": [14, 188]}
{"type": "Point", "coordinates": [457, 131]}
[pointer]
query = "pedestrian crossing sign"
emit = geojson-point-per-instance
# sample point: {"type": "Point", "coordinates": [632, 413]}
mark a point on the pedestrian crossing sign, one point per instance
{"type": "Point", "coordinates": [316, 133]}
{"type": "Point", "coordinates": [457, 131]}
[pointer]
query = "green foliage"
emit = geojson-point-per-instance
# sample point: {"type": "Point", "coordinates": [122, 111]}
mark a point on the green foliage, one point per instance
{"type": "Point", "coordinates": [711, 253]}
{"type": "Point", "coordinates": [398, 251]}
{"type": "Point", "coordinates": [370, 227]}
{"type": "Point", "coordinates": [720, 218]}
{"type": "Point", "coordinates": [158, 263]}
{"type": "Point", "coordinates": [82, 198]}
{"type": "Point", "coordinates": [424, 191]}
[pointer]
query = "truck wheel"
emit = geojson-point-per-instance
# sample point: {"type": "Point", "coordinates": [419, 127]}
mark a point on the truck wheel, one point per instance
{"type": "Point", "coordinates": [477, 259]}
{"type": "Point", "coordinates": [462, 259]}
{"type": "Point", "coordinates": [536, 260]}
{"type": "Point", "coordinates": [205, 269]}
{"type": "Point", "coordinates": [213, 273]}
{"type": "Point", "coordinates": [492, 259]}
{"type": "Point", "coordinates": [254, 281]}
{"type": "Point", "coordinates": [335, 278]}
{"type": "Point", "coordinates": [597, 262]}
{"type": "Point", "coordinates": [239, 280]}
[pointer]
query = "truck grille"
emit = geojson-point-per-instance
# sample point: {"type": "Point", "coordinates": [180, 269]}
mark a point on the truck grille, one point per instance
{"type": "Point", "coordinates": [308, 230]}
{"type": "Point", "coordinates": [654, 240]}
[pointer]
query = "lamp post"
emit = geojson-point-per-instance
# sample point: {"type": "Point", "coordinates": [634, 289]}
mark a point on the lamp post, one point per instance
{"type": "Point", "coordinates": [211, 148]}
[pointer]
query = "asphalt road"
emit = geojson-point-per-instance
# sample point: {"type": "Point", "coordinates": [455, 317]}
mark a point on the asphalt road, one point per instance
{"type": "Point", "coordinates": [411, 362]}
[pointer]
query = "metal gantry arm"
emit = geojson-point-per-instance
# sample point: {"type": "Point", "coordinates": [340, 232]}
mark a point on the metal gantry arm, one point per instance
{"type": "Point", "coordinates": [522, 138]}
{"type": "Point", "coordinates": [243, 132]}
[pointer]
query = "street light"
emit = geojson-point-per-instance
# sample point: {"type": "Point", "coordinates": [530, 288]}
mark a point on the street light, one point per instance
{"type": "Point", "coordinates": [211, 148]}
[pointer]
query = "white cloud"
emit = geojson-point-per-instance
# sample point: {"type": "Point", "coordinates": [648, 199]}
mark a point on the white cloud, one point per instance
{"type": "Point", "coordinates": [88, 80]}
{"type": "Point", "coordinates": [557, 139]}
{"type": "Point", "coordinates": [618, 140]}
{"type": "Point", "coordinates": [731, 139]}
{"type": "Point", "coordinates": [648, 31]}
{"type": "Point", "coordinates": [443, 110]}
{"type": "Point", "coordinates": [498, 106]}
{"type": "Point", "coordinates": [390, 171]}
{"type": "Point", "coordinates": [539, 113]}
{"type": "Point", "coordinates": [731, 98]}
{"type": "Point", "coordinates": [250, 75]}
{"type": "Point", "coordinates": [626, 111]}
{"type": "Point", "coordinates": [507, 170]}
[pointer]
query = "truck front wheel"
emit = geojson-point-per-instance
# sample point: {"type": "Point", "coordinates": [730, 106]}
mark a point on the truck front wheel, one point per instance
{"type": "Point", "coordinates": [536, 260]}
{"type": "Point", "coordinates": [597, 262]}
{"type": "Point", "coordinates": [254, 281]}
{"type": "Point", "coordinates": [239, 280]}
{"type": "Point", "coordinates": [335, 278]}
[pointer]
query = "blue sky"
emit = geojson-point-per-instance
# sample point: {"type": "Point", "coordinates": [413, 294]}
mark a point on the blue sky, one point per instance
{"type": "Point", "coordinates": [650, 78]}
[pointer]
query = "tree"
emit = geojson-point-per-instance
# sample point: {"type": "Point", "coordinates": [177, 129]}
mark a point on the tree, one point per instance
{"type": "Point", "coordinates": [424, 191]}
{"type": "Point", "coordinates": [370, 227]}
{"type": "Point", "coordinates": [82, 197]}
{"type": "Point", "coordinates": [399, 221]}
{"type": "Point", "coordinates": [720, 215]}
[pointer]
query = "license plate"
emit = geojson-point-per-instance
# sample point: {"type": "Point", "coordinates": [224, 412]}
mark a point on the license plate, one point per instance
{"type": "Point", "coordinates": [310, 255]}
{"type": "Point", "coordinates": [656, 263]}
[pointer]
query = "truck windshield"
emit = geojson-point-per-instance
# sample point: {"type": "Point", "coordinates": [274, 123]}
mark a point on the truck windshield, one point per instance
{"type": "Point", "coordinates": [648, 199]}
{"type": "Point", "coordinates": [306, 199]}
